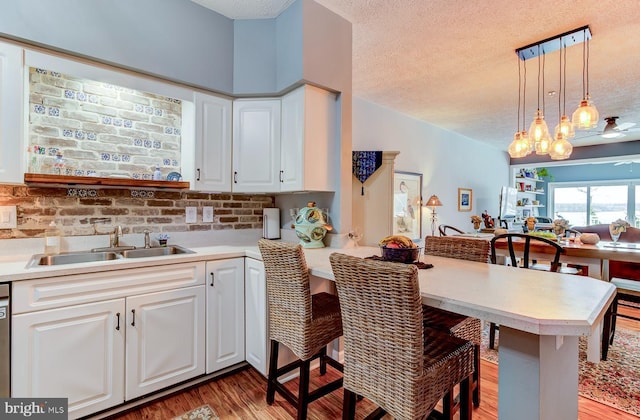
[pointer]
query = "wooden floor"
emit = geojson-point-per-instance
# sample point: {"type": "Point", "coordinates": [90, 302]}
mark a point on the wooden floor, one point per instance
{"type": "Point", "coordinates": [241, 395]}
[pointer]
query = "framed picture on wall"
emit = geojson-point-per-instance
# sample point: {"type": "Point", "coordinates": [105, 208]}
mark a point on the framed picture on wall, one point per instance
{"type": "Point", "coordinates": [407, 203]}
{"type": "Point", "coordinates": [465, 199]}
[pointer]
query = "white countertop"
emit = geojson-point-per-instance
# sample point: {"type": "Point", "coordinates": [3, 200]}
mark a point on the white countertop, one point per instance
{"type": "Point", "coordinates": [528, 300]}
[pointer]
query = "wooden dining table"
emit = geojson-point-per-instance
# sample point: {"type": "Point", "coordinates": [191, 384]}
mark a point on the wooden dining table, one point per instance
{"type": "Point", "coordinates": [541, 316]}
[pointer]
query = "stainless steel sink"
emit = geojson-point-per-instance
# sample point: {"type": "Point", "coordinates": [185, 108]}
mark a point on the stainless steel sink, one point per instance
{"type": "Point", "coordinates": [155, 252]}
{"type": "Point", "coordinates": [72, 258]}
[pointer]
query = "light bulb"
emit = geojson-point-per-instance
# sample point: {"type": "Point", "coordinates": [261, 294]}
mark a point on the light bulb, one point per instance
{"type": "Point", "coordinates": [560, 148]}
{"type": "Point", "coordinates": [586, 116]}
{"type": "Point", "coordinates": [566, 127]}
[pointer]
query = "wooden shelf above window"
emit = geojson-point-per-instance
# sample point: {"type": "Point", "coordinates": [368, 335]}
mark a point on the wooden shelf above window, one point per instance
{"type": "Point", "coordinates": [92, 180]}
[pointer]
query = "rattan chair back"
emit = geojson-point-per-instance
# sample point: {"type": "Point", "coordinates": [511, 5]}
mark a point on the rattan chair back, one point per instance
{"type": "Point", "coordinates": [455, 247]}
{"type": "Point", "coordinates": [290, 304]}
{"type": "Point", "coordinates": [384, 357]}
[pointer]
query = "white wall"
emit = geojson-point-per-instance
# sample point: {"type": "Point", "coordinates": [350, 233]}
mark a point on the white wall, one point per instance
{"type": "Point", "coordinates": [447, 161]}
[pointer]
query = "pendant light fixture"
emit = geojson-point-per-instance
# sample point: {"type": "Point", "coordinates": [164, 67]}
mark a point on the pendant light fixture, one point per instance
{"type": "Point", "coordinates": [586, 116]}
{"type": "Point", "coordinates": [565, 124]}
{"type": "Point", "coordinates": [560, 148]}
{"type": "Point", "coordinates": [538, 138]}
{"type": "Point", "coordinates": [539, 131]}
{"type": "Point", "coordinates": [519, 147]}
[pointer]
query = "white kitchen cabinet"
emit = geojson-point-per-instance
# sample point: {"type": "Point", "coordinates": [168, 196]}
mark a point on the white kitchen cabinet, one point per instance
{"type": "Point", "coordinates": [165, 339]}
{"type": "Point", "coordinates": [74, 352]}
{"type": "Point", "coordinates": [225, 313]}
{"type": "Point", "coordinates": [256, 145]}
{"type": "Point", "coordinates": [12, 148]}
{"type": "Point", "coordinates": [71, 335]}
{"type": "Point", "coordinates": [213, 143]}
{"type": "Point", "coordinates": [256, 317]}
{"type": "Point", "coordinates": [308, 141]}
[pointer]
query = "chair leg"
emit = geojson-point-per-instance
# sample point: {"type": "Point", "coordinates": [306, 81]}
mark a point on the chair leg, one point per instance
{"type": "Point", "coordinates": [448, 405]}
{"type": "Point", "coordinates": [323, 361]}
{"type": "Point", "coordinates": [492, 335]}
{"type": "Point", "coordinates": [303, 389]}
{"type": "Point", "coordinates": [272, 377]}
{"type": "Point", "coordinates": [465, 398]}
{"type": "Point", "coordinates": [476, 375]}
{"type": "Point", "coordinates": [349, 405]}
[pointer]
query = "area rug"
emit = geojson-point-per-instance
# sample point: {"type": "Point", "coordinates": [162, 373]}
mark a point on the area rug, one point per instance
{"type": "Point", "coordinates": [203, 412]}
{"type": "Point", "coordinates": [614, 382]}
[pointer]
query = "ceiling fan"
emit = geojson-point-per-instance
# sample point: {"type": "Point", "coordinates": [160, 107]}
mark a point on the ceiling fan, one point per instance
{"type": "Point", "coordinates": [613, 130]}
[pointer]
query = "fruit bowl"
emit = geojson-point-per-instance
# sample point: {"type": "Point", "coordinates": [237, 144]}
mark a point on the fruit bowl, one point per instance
{"type": "Point", "coordinates": [403, 255]}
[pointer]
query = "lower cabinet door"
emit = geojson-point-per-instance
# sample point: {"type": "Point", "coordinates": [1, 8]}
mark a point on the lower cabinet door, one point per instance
{"type": "Point", "coordinates": [165, 339]}
{"type": "Point", "coordinates": [75, 352]}
{"type": "Point", "coordinates": [256, 315]}
{"type": "Point", "coordinates": [225, 313]}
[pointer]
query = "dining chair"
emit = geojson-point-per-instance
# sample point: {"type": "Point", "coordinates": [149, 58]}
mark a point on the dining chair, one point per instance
{"type": "Point", "coordinates": [389, 356]}
{"type": "Point", "coordinates": [444, 228]}
{"type": "Point", "coordinates": [627, 295]}
{"type": "Point", "coordinates": [461, 326]}
{"type": "Point", "coordinates": [306, 323]}
{"type": "Point", "coordinates": [521, 256]}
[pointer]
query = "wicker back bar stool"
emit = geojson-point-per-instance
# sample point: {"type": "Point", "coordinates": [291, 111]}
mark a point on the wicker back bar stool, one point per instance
{"type": "Point", "coordinates": [461, 326]}
{"type": "Point", "coordinates": [303, 322]}
{"type": "Point", "coordinates": [389, 356]}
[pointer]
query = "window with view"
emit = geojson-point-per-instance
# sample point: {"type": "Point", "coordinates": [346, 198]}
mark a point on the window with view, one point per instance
{"type": "Point", "coordinates": [596, 202]}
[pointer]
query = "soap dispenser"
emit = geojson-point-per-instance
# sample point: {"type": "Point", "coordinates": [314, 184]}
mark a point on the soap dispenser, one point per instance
{"type": "Point", "coordinates": [52, 239]}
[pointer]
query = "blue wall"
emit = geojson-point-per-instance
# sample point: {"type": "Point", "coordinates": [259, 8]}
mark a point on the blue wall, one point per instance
{"type": "Point", "coordinates": [175, 39]}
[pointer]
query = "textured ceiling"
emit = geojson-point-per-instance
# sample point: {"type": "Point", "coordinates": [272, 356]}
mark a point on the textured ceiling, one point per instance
{"type": "Point", "coordinates": [452, 63]}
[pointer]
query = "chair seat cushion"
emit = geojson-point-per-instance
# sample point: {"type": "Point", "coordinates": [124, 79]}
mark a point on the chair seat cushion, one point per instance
{"type": "Point", "coordinates": [461, 326]}
{"type": "Point", "coordinates": [447, 359]}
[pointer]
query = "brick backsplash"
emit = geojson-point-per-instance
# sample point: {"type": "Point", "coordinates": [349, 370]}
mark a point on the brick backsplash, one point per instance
{"type": "Point", "coordinates": [77, 211]}
{"type": "Point", "coordinates": [87, 128]}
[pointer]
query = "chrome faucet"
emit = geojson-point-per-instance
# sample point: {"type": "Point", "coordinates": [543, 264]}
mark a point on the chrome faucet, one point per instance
{"type": "Point", "coordinates": [115, 239]}
{"type": "Point", "coordinates": [147, 241]}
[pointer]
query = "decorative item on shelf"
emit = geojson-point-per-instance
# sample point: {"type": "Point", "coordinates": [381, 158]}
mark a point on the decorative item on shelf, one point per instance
{"type": "Point", "coordinates": [58, 164]}
{"type": "Point", "coordinates": [311, 226]}
{"type": "Point", "coordinates": [36, 158]}
{"type": "Point", "coordinates": [530, 223]}
{"type": "Point", "coordinates": [433, 202]}
{"type": "Point", "coordinates": [477, 221]}
{"type": "Point", "coordinates": [539, 139]}
{"type": "Point", "coordinates": [163, 238]}
{"type": "Point", "coordinates": [616, 228]}
{"type": "Point", "coordinates": [157, 175]}
{"type": "Point", "coordinates": [559, 226]}
{"type": "Point", "coordinates": [174, 176]}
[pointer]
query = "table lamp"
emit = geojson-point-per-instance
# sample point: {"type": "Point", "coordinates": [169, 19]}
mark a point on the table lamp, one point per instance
{"type": "Point", "coordinates": [433, 202]}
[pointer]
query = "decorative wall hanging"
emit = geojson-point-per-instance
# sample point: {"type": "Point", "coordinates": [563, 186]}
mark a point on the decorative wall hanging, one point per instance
{"type": "Point", "coordinates": [364, 164]}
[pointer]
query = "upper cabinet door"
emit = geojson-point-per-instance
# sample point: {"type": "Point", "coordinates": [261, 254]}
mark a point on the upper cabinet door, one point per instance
{"type": "Point", "coordinates": [308, 142]}
{"type": "Point", "coordinates": [12, 149]}
{"type": "Point", "coordinates": [213, 143]}
{"type": "Point", "coordinates": [256, 145]}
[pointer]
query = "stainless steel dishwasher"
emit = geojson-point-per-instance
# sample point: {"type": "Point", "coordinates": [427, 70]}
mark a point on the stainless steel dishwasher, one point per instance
{"type": "Point", "coordinates": [5, 342]}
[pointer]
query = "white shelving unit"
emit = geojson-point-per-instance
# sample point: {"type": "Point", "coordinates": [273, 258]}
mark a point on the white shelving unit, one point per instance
{"type": "Point", "coordinates": [529, 189]}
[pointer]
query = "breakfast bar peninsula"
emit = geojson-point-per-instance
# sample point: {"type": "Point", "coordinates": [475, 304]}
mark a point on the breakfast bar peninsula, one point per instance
{"type": "Point", "coordinates": [541, 315]}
